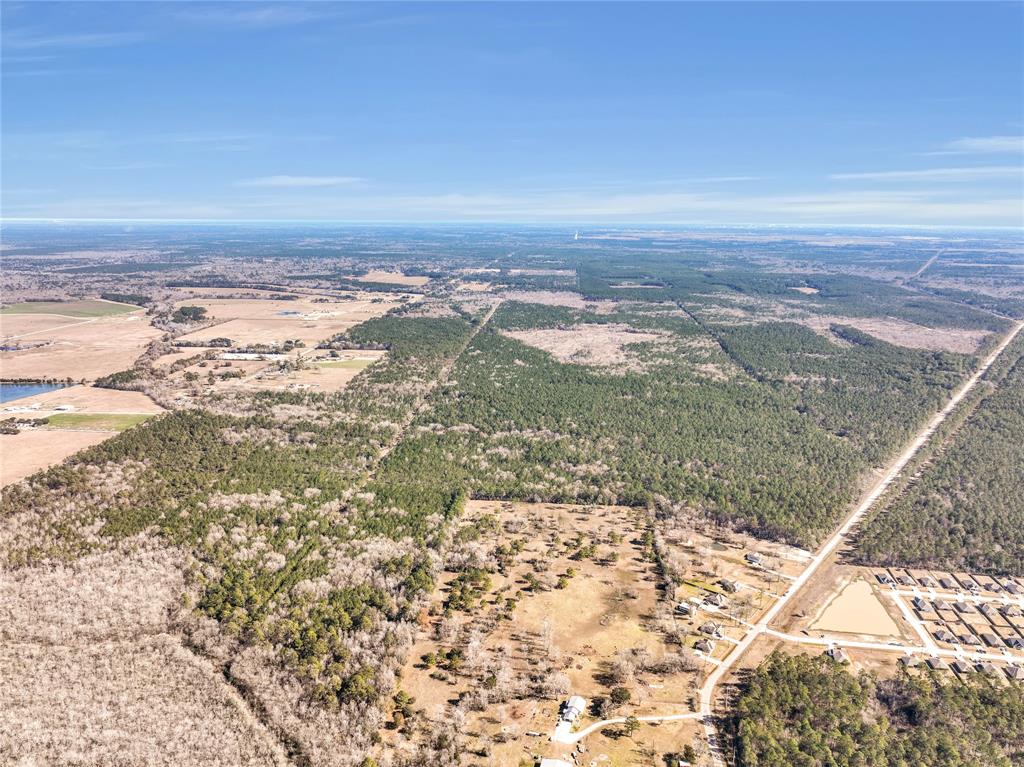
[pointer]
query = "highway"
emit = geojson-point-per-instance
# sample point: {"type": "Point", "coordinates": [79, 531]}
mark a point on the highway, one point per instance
{"type": "Point", "coordinates": [827, 549]}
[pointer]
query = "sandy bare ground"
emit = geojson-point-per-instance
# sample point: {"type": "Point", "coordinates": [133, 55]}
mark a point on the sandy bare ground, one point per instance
{"type": "Point", "coordinates": [22, 455]}
{"type": "Point", "coordinates": [84, 399]}
{"type": "Point", "coordinates": [560, 298]}
{"type": "Point", "coordinates": [83, 350]}
{"type": "Point", "coordinates": [856, 610]}
{"type": "Point", "coordinates": [903, 333]}
{"type": "Point", "coordinates": [395, 278]}
{"type": "Point", "coordinates": [598, 345]}
{"type": "Point", "coordinates": [474, 286]}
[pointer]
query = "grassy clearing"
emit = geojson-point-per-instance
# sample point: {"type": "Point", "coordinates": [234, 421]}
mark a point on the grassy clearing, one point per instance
{"type": "Point", "coordinates": [346, 364]}
{"type": "Point", "coordinates": [70, 308]}
{"type": "Point", "coordinates": [97, 421]}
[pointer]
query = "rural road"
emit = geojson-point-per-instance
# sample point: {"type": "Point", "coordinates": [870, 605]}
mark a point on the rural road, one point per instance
{"type": "Point", "coordinates": [827, 549]}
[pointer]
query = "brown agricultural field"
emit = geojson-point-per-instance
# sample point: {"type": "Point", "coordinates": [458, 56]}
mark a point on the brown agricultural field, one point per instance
{"type": "Point", "coordinates": [22, 455]}
{"type": "Point", "coordinates": [86, 349]}
{"type": "Point", "coordinates": [393, 278]}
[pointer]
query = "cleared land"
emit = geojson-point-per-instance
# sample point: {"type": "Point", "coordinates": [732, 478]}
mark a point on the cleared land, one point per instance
{"type": "Point", "coordinates": [22, 455]}
{"type": "Point", "coordinates": [86, 399]}
{"type": "Point", "coordinates": [85, 350]}
{"type": "Point", "coordinates": [70, 308]}
{"type": "Point", "coordinates": [394, 278]}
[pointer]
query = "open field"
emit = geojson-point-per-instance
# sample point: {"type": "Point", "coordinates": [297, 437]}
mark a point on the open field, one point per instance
{"type": "Point", "coordinates": [393, 278]}
{"type": "Point", "coordinates": [84, 399]}
{"type": "Point", "coordinates": [85, 309]}
{"type": "Point", "coordinates": [85, 350]}
{"type": "Point", "coordinates": [273, 321]}
{"type": "Point", "coordinates": [22, 455]}
{"type": "Point", "coordinates": [95, 421]}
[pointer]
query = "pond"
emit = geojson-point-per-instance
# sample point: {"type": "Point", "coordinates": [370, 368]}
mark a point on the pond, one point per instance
{"type": "Point", "coordinates": [13, 391]}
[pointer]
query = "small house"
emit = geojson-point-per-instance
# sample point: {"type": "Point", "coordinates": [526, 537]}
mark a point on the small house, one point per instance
{"type": "Point", "coordinates": [991, 640]}
{"type": "Point", "coordinates": [921, 604]}
{"type": "Point", "coordinates": [837, 654]}
{"type": "Point", "coordinates": [1010, 611]}
{"type": "Point", "coordinates": [716, 600]}
{"type": "Point", "coordinates": [1015, 672]}
{"type": "Point", "coordinates": [753, 558]}
{"type": "Point", "coordinates": [942, 635]}
{"type": "Point", "coordinates": [988, 668]}
{"type": "Point", "coordinates": [573, 708]}
{"type": "Point", "coordinates": [705, 646]}
{"type": "Point", "coordinates": [927, 581]}
{"type": "Point", "coordinates": [711, 629]}
{"type": "Point", "coordinates": [1012, 588]}
{"type": "Point", "coordinates": [942, 604]}
{"type": "Point", "coordinates": [964, 607]}
{"type": "Point", "coordinates": [961, 667]}
{"type": "Point", "coordinates": [730, 586]}
{"type": "Point", "coordinates": [884, 578]}
{"type": "Point", "coordinates": [1016, 643]}
{"type": "Point", "coordinates": [947, 583]}
{"type": "Point", "coordinates": [909, 661]}
{"type": "Point", "coordinates": [968, 638]}
{"type": "Point", "coordinates": [936, 664]}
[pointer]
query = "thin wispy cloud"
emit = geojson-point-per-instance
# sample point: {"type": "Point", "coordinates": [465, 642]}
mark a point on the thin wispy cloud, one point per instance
{"type": "Point", "coordinates": [983, 145]}
{"type": "Point", "coordinates": [254, 16]}
{"type": "Point", "coordinates": [27, 39]}
{"type": "Point", "coordinates": [936, 174]}
{"type": "Point", "coordinates": [297, 182]}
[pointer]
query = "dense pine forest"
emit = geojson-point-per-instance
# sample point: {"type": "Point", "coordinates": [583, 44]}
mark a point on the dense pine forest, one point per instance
{"type": "Point", "coordinates": [808, 711]}
{"type": "Point", "coordinates": [965, 510]}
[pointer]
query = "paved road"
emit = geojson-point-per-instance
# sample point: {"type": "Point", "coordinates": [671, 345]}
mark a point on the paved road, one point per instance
{"type": "Point", "coordinates": [827, 549]}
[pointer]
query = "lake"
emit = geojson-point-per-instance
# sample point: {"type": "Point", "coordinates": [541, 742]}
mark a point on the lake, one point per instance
{"type": "Point", "coordinates": [12, 391]}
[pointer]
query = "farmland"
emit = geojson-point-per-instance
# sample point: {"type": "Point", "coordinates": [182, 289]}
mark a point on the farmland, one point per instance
{"type": "Point", "coordinates": [388, 517]}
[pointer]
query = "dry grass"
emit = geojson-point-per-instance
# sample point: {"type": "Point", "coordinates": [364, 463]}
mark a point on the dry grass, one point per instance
{"type": "Point", "coordinates": [598, 345]}
{"type": "Point", "coordinates": [83, 350]}
{"type": "Point", "coordinates": [22, 455]}
{"type": "Point", "coordinates": [88, 399]}
{"type": "Point", "coordinates": [561, 298]}
{"type": "Point", "coordinates": [394, 278]}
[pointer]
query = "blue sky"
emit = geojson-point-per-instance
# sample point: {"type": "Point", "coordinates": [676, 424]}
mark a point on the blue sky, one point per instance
{"type": "Point", "coordinates": [831, 113]}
